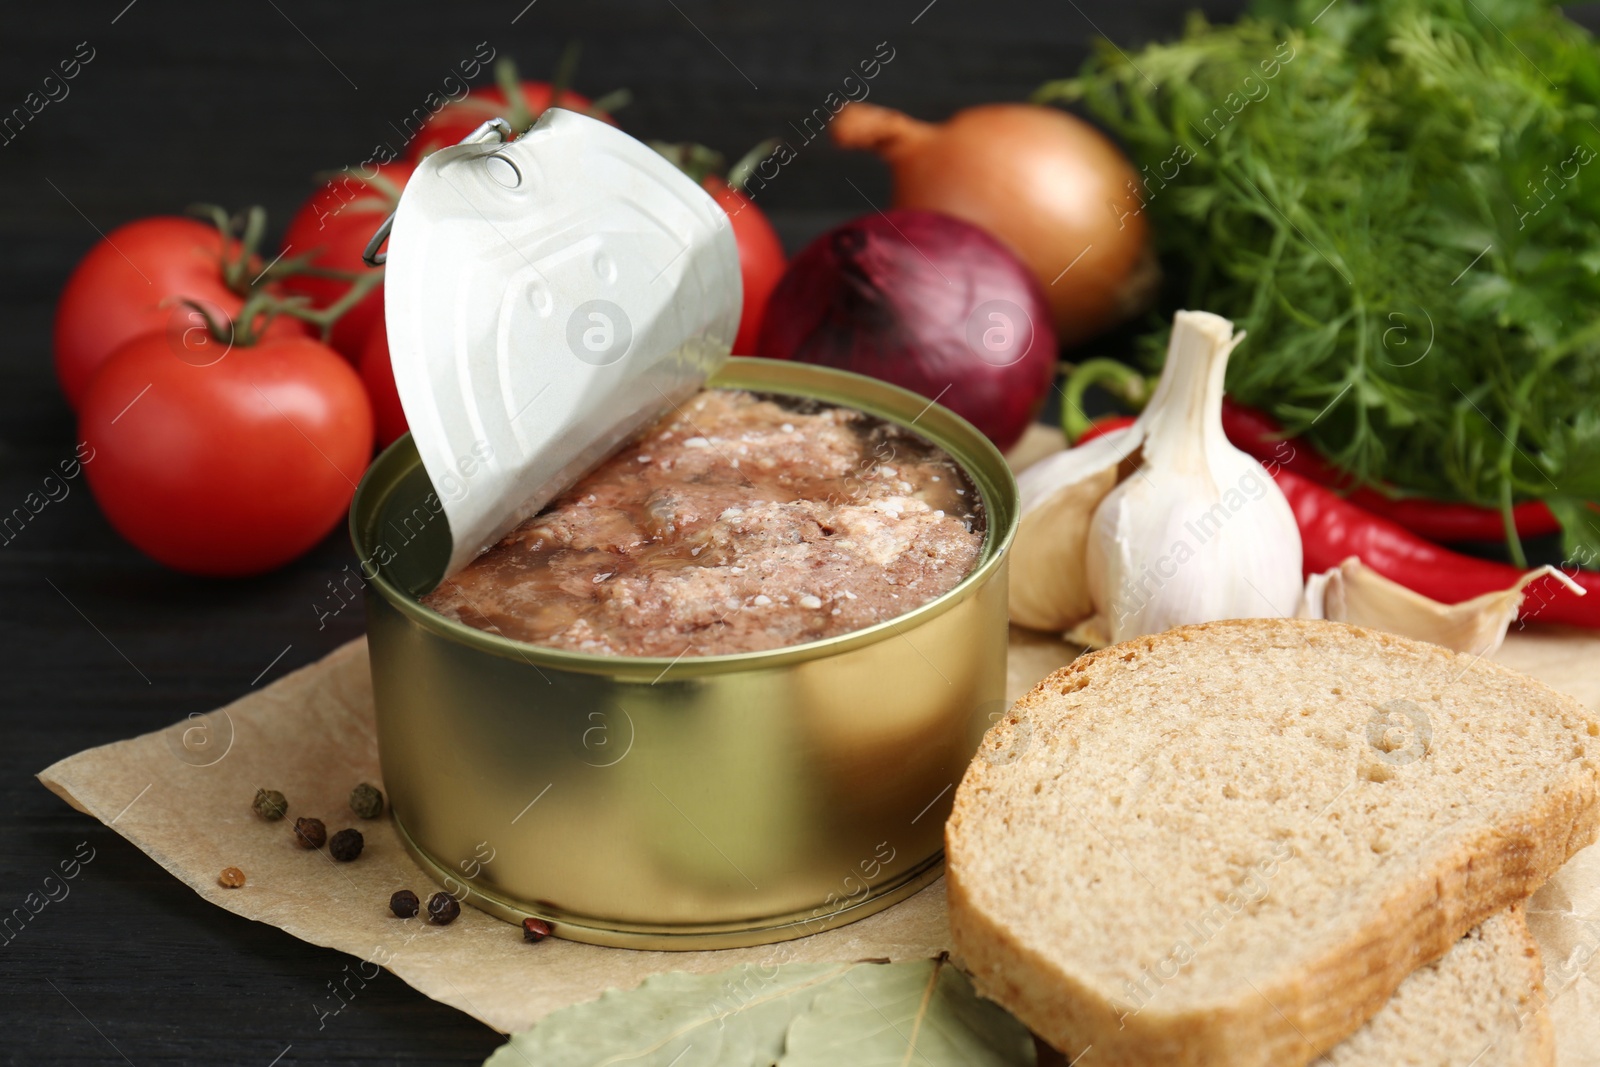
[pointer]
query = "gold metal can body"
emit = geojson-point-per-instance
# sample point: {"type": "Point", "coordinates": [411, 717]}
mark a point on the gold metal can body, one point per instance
{"type": "Point", "coordinates": [676, 804]}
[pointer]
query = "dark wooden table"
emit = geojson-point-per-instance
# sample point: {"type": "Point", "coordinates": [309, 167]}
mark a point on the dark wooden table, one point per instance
{"type": "Point", "coordinates": [238, 104]}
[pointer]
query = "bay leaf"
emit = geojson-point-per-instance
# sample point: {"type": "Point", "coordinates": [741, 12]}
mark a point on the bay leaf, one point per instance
{"type": "Point", "coordinates": [902, 1015]}
{"type": "Point", "coordinates": [923, 1012]}
{"type": "Point", "coordinates": [734, 1018]}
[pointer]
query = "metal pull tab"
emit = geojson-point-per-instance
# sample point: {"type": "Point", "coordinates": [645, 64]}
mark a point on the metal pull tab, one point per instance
{"type": "Point", "coordinates": [496, 129]}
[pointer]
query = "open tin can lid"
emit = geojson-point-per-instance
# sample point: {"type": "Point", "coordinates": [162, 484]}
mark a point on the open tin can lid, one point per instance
{"type": "Point", "coordinates": [546, 299]}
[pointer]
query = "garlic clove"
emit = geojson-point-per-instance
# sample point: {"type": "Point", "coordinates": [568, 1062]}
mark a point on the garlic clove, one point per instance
{"type": "Point", "coordinates": [1049, 588]}
{"type": "Point", "coordinates": [1314, 600]}
{"type": "Point", "coordinates": [1091, 633]}
{"type": "Point", "coordinates": [1355, 593]}
{"type": "Point", "coordinates": [1198, 531]}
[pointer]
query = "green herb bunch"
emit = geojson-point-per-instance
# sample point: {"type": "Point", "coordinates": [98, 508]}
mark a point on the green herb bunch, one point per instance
{"type": "Point", "coordinates": [1400, 201]}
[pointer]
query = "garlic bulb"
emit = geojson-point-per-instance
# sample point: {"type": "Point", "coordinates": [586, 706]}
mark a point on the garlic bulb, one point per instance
{"type": "Point", "coordinates": [1199, 532]}
{"type": "Point", "coordinates": [1355, 593]}
{"type": "Point", "coordinates": [1161, 524]}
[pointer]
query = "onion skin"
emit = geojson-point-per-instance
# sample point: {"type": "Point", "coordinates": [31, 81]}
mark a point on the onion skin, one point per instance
{"type": "Point", "coordinates": [1048, 184]}
{"type": "Point", "coordinates": [910, 297]}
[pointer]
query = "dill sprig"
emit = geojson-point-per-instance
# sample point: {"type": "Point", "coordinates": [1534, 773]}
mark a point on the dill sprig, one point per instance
{"type": "Point", "coordinates": [1400, 201]}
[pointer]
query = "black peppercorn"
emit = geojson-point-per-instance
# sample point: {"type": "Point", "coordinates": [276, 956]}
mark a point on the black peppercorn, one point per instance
{"type": "Point", "coordinates": [443, 909]}
{"type": "Point", "coordinates": [366, 801]}
{"type": "Point", "coordinates": [310, 833]}
{"type": "Point", "coordinates": [346, 845]}
{"type": "Point", "coordinates": [535, 930]}
{"type": "Point", "coordinates": [404, 904]}
{"type": "Point", "coordinates": [270, 805]}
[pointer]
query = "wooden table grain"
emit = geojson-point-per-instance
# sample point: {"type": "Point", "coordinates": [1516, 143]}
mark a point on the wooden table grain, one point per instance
{"type": "Point", "coordinates": [188, 101]}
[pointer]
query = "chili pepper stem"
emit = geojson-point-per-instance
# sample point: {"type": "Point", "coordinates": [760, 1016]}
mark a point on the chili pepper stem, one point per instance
{"type": "Point", "coordinates": [1119, 379]}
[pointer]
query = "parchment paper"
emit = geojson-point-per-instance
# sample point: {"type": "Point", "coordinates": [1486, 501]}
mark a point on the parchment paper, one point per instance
{"type": "Point", "coordinates": [183, 796]}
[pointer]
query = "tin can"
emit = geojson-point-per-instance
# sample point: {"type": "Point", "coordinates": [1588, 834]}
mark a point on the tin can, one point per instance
{"type": "Point", "coordinates": [703, 802]}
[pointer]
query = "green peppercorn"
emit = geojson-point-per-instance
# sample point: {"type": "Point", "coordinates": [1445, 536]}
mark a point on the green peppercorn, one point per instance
{"type": "Point", "coordinates": [366, 801]}
{"type": "Point", "coordinates": [443, 909]}
{"type": "Point", "coordinates": [404, 904]}
{"type": "Point", "coordinates": [270, 805]}
{"type": "Point", "coordinates": [346, 845]}
{"type": "Point", "coordinates": [310, 833]}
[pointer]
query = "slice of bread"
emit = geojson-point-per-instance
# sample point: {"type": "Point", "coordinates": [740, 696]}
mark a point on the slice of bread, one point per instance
{"type": "Point", "coordinates": [1229, 844]}
{"type": "Point", "coordinates": [1480, 1005]}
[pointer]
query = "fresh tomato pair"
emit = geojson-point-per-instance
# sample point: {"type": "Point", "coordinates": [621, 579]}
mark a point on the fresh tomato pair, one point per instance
{"type": "Point", "coordinates": [213, 456]}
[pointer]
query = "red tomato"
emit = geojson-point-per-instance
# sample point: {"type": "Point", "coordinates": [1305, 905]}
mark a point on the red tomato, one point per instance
{"type": "Point", "coordinates": [761, 261]}
{"type": "Point", "coordinates": [454, 121]}
{"type": "Point", "coordinates": [230, 467]}
{"type": "Point", "coordinates": [378, 376]}
{"type": "Point", "coordinates": [1102, 426]}
{"type": "Point", "coordinates": [133, 282]}
{"type": "Point", "coordinates": [337, 222]}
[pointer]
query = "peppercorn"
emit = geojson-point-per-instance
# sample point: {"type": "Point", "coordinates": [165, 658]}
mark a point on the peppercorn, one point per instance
{"type": "Point", "coordinates": [366, 801]}
{"type": "Point", "coordinates": [443, 909]}
{"type": "Point", "coordinates": [404, 904]}
{"type": "Point", "coordinates": [535, 930]}
{"type": "Point", "coordinates": [270, 805]}
{"type": "Point", "coordinates": [310, 833]}
{"type": "Point", "coordinates": [346, 845]}
{"type": "Point", "coordinates": [230, 878]}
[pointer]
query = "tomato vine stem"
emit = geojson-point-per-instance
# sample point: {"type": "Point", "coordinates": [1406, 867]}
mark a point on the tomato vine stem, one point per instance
{"type": "Point", "coordinates": [262, 306]}
{"type": "Point", "coordinates": [241, 238]}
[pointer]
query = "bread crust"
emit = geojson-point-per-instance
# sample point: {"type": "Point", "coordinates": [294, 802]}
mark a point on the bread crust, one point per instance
{"type": "Point", "coordinates": [1290, 1018]}
{"type": "Point", "coordinates": [1538, 1032]}
{"type": "Point", "coordinates": [1542, 1042]}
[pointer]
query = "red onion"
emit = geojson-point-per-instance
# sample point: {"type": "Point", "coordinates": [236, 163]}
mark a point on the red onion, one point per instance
{"type": "Point", "coordinates": [927, 302]}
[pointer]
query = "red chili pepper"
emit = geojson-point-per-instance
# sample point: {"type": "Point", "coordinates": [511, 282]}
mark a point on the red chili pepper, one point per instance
{"type": "Point", "coordinates": [1333, 528]}
{"type": "Point", "coordinates": [1258, 434]}
{"type": "Point", "coordinates": [1102, 426]}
